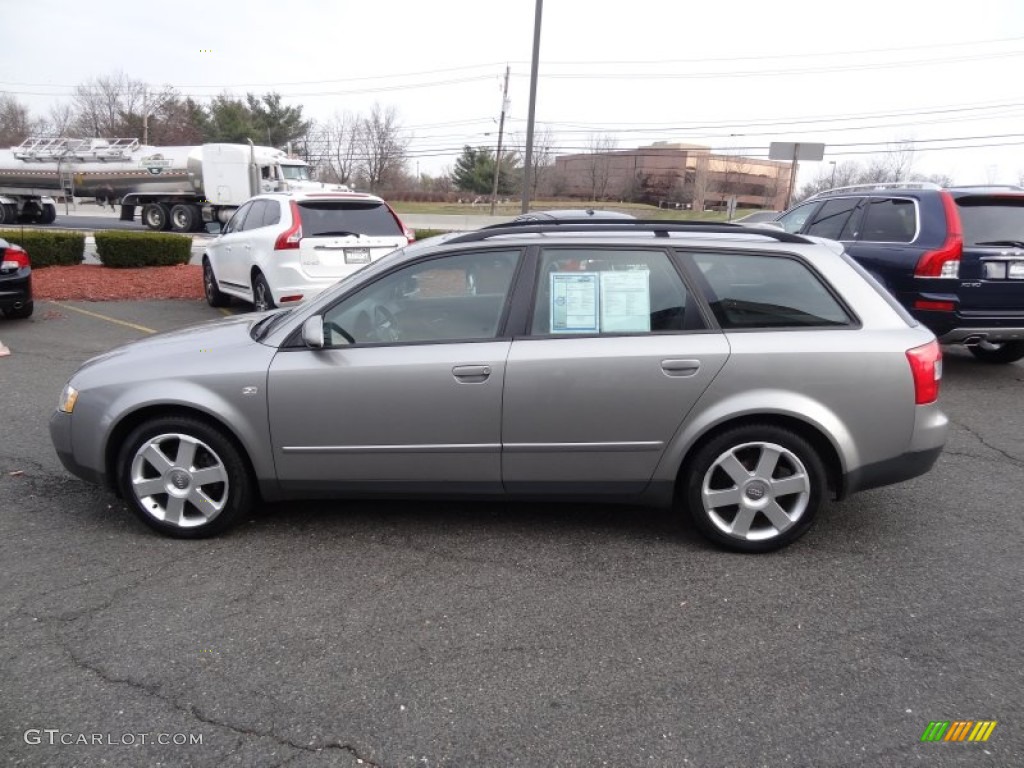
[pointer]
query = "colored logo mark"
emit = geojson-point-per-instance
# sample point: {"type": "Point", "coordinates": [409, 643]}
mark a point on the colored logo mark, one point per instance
{"type": "Point", "coordinates": [959, 730]}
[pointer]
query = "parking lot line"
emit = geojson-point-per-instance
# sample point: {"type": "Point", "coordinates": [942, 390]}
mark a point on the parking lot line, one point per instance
{"type": "Point", "coordinates": [226, 312]}
{"type": "Point", "coordinates": [97, 315]}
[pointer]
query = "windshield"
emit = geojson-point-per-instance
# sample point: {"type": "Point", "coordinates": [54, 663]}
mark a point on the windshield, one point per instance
{"type": "Point", "coordinates": [295, 172]}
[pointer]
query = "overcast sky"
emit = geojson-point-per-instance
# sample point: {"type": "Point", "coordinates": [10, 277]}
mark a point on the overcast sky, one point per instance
{"type": "Point", "coordinates": [731, 75]}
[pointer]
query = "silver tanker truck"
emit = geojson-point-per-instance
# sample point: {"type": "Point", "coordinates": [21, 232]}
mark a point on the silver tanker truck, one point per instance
{"type": "Point", "coordinates": [177, 188]}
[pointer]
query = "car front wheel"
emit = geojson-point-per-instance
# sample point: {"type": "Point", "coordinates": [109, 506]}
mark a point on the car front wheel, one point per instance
{"type": "Point", "coordinates": [998, 352]}
{"type": "Point", "coordinates": [214, 296]}
{"type": "Point", "coordinates": [755, 488]}
{"type": "Point", "coordinates": [184, 478]}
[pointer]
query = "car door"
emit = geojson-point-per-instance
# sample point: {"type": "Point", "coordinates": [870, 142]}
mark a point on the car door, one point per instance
{"type": "Point", "coordinates": [615, 356]}
{"type": "Point", "coordinates": [226, 251]}
{"type": "Point", "coordinates": [406, 394]}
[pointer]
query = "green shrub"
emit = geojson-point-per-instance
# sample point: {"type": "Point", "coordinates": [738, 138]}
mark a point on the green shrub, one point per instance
{"type": "Point", "coordinates": [423, 234]}
{"type": "Point", "coordinates": [47, 249]}
{"type": "Point", "coordinates": [142, 249]}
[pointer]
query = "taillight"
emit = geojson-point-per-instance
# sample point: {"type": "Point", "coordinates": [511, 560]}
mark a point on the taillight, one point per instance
{"type": "Point", "coordinates": [14, 257]}
{"type": "Point", "coordinates": [926, 367]}
{"type": "Point", "coordinates": [945, 261]}
{"type": "Point", "coordinates": [409, 234]}
{"type": "Point", "coordinates": [934, 306]}
{"type": "Point", "coordinates": [290, 237]}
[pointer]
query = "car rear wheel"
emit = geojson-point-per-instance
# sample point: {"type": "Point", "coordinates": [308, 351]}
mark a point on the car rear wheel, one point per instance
{"type": "Point", "coordinates": [998, 352]}
{"type": "Point", "coordinates": [184, 478]}
{"type": "Point", "coordinates": [214, 296]}
{"type": "Point", "coordinates": [755, 488]}
{"type": "Point", "coordinates": [262, 298]}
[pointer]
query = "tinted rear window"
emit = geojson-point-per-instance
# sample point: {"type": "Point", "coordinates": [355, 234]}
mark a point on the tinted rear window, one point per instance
{"type": "Point", "coordinates": [341, 218]}
{"type": "Point", "coordinates": [992, 219]}
{"type": "Point", "coordinates": [754, 291]}
{"type": "Point", "coordinates": [890, 220]}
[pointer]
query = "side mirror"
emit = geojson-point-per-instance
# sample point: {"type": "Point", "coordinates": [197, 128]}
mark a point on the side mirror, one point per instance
{"type": "Point", "coordinates": [313, 332]}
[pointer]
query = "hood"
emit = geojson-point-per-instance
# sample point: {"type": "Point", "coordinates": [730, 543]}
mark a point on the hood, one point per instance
{"type": "Point", "coordinates": [202, 338]}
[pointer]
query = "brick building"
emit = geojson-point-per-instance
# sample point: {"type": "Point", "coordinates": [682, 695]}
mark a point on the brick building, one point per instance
{"type": "Point", "coordinates": [663, 172]}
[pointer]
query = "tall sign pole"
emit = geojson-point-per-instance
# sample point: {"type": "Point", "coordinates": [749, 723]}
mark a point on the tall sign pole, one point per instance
{"type": "Point", "coordinates": [533, 106]}
{"type": "Point", "coordinates": [501, 131]}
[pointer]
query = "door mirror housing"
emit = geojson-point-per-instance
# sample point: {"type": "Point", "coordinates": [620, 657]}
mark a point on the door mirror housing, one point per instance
{"type": "Point", "coordinates": [313, 332]}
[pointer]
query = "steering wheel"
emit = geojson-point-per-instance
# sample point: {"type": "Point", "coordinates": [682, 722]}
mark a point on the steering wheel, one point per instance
{"type": "Point", "coordinates": [330, 325]}
{"type": "Point", "coordinates": [385, 323]}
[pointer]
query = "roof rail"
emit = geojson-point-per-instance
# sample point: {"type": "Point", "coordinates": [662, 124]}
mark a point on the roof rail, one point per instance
{"type": "Point", "coordinates": [659, 227]}
{"type": "Point", "coordinates": [1013, 187]}
{"type": "Point", "coordinates": [877, 185]}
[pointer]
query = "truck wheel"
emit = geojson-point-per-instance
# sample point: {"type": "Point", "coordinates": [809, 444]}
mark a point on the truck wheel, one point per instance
{"type": "Point", "coordinates": [49, 214]}
{"type": "Point", "coordinates": [1001, 352]}
{"type": "Point", "coordinates": [156, 216]}
{"type": "Point", "coordinates": [8, 214]}
{"type": "Point", "coordinates": [184, 218]}
{"type": "Point", "coordinates": [214, 296]}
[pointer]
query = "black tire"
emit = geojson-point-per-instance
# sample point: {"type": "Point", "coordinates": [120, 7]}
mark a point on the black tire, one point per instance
{"type": "Point", "coordinates": [262, 298]}
{"type": "Point", "coordinates": [758, 508]}
{"type": "Point", "coordinates": [214, 296]}
{"type": "Point", "coordinates": [8, 214]}
{"type": "Point", "coordinates": [156, 216]}
{"type": "Point", "coordinates": [21, 313]}
{"type": "Point", "coordinates": [212, 453]}
{"type": "Point", "coordinates": [998, 353]}
{"type": "Point", "coordinates": [184, 218]}
{"type": "Point", "coordinates": [49, 214]}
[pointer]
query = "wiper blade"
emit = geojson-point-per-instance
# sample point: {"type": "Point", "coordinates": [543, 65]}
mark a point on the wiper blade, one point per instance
{"type": "Point", "coordinates": [1014, 243]}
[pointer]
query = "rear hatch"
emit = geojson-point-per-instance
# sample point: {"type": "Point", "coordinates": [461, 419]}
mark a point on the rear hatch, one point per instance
{"type": "Point", "coordinates": [341, 235]}
{"type": "Point", "coordinates": [992, 265]}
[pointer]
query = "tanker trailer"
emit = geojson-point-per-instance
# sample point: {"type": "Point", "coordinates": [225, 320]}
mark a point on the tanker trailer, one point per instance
{"type": "Point", "coordinates": [177, 188]}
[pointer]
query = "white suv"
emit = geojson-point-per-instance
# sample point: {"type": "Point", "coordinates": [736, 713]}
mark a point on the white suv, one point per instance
{"type": "Point", "coordinates": [282, 249]}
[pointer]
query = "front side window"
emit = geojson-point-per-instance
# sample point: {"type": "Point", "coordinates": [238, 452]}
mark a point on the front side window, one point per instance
{"type": "Point", "coordinates": [765, 291]}
{"type": "Point", "coordinates": [890, 220]}
{"type": "Point", "coordinates": [835, 219]}
{"type": "Point", "coordinates": [588, 291]}
{"type": "Point", "coordinates": [461, 297]}
{"type": "Point", "coordinates": [794, 220]}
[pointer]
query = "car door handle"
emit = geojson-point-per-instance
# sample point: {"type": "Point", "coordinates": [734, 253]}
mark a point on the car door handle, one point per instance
{"type": "Point", "coordinates": [471, 374]}
{"type": "Point", "coordinates": [680, 367]}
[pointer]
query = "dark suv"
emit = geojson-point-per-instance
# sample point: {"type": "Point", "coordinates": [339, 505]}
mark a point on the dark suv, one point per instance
{"type": "Point", "coordinates": [954, 257]}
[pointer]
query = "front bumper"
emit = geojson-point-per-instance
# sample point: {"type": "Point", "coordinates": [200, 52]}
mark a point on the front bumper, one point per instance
{"type": "Point", "coordinates": [60, 435]}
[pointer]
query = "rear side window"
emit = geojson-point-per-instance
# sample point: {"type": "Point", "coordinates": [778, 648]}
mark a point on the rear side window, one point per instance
{"type": "Point", "coordinates": [835, 219]}
{"type": "Point", "coordinates": [589, 291]}
{"type": "Point", "coordinates": [255, 218]}
{"type": "Point", "coordinates": [325, 218]}
{"type": "Point", "coordinates": [992, 220]}
{"type": "Point", "coordinates": [890, 220]}
{"type": "Point", "coordinates": [762, 291]}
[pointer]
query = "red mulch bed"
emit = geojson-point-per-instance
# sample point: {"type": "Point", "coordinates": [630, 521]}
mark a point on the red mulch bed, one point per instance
{"type": "Point", "coordinates": [89, 282]}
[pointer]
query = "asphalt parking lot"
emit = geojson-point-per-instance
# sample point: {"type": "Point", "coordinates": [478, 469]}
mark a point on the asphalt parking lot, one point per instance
{"type": "Point", "coordinates": [415, 634]}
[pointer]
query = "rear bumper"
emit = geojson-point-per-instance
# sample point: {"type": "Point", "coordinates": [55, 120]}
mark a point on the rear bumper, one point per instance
{"type": "Point", "coordinates": [958, 327]}
{"type": "Point", "coordinates": [16, 289]}
{"type": "Point", "coordinates": [969, 335]}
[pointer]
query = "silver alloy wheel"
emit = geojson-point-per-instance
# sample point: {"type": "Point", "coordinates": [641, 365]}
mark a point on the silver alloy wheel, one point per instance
{"type": "Point", "coordinates": [208, 284]}
{"type": "Point", "coordinates": [756, 491]}
{"type": "Point", "coordinates": [179, 480]}
{"type": "Point", "coordinates": [260, 300]}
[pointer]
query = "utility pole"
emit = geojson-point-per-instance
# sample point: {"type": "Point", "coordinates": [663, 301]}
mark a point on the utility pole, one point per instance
{"type": "Point", "coordinates": [538, 12]}
{"type": "Point", "coordinates": [501, 131]}
{"type": "Point", "coordinates": [145, 116]}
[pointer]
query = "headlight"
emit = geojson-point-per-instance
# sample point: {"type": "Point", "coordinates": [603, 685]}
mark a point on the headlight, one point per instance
{"type": "Point", "coordinates": [68, 398]}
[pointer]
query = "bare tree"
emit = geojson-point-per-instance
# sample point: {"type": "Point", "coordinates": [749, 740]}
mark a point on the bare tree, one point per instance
{"type": "Point", "coordinates": [599, 164]}
{"type": "Point", "coordinates": [16, 123]}
{"type": "Point", "coordinates": [105, 105]}
{"type": "Point", "coordinates": [59, 119]}
{"type": "Point", "coordinates": [541, 161]}
{"type": "Point", "coordinates": [341, 143]}
{"type": "Point", "coordinates": [382, 147]}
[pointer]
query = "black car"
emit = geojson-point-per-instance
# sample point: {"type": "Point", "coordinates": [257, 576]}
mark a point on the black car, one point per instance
{"type": "Point", "coordinates": [954, 257]}
{"type": "Point", "coordinates": [15, 281]}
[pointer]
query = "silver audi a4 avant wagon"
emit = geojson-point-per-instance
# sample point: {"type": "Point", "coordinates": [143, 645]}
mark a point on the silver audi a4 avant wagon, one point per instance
{"type": "Point", "coordinates": [744, 375]}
